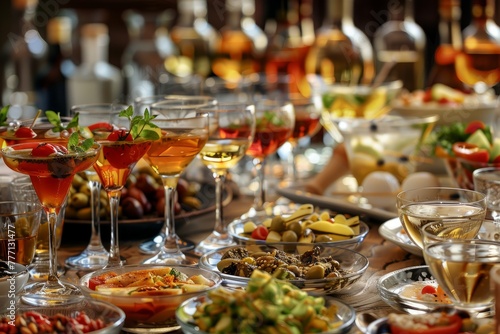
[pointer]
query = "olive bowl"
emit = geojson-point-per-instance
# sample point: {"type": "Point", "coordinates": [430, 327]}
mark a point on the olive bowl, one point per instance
{"type": "Point", "coordinates": [350, 264]}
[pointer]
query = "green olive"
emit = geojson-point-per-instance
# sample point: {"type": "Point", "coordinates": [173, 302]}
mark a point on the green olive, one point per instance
{"type": "Point", "coordinates": [323, 238]}
{"type": "Point", "coordinates": [295, 227]}
{"type": "Point", "coordinates": [277, 224]}
{"type": "Point", "coordinates": [315, 272]}
{"type": "Point", "coordinates": [289, 236]}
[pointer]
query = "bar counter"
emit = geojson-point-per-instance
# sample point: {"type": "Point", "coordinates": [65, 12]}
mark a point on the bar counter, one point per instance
{"type": "Point", "coordinates": [383, 256]}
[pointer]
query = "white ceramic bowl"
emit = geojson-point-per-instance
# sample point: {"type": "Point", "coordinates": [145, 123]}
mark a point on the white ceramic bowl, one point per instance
{"type": "Point", "coordinates": [15, 278]}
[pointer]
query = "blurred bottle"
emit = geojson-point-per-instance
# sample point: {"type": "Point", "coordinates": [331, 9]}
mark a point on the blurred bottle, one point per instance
{"type": "Point", "coordinates": [23, 54]}
{"type": "Point", "coordinates": [287, 50]}
{"type": "Point", "coordinates": [242, 45]}
{"type": "Point", "coordinates": [478, 65]}
{"type": "Point", "coordinates": [52, 77]}
{"type": "Point", "coordinates": [94, 80]}
{"type": "Point", "coordinates": [338, 55]}
{"type": "Point", "coordinates": [402, 41]}
{"type": "Point", "coordinates": [143, 59]}
{"type": "Point", "coordinates": [194, 38]}
{"type": "Point", "coordinates": [450, 43]}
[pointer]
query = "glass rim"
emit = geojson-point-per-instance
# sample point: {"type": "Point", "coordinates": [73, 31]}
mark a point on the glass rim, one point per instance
{"type": "Point", "coordinates": [31, 145]}
{"type": "Point", "coordinates": [98, 108]}
{"type": "Point", "coordinates": [401, 195]}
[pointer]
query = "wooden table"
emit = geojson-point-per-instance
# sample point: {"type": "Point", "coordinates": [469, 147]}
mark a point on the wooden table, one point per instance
{"type": "Point", "coordinates": [384, 256]}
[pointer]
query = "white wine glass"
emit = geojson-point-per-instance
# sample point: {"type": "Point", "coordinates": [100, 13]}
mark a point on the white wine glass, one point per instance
{"type": "Point", "coordinates": [232, 129]}
{"type": "Point", "coordinates": [153, 246]}
{"type": "Point", "coordinates": [185, 131]}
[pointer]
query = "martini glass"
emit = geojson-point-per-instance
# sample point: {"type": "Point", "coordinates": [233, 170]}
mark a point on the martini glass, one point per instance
{"type": "Point", "coordinates": [51, 177]}
{"type": "Point", "coordinates": [274, 126]}
{"type": "Point", "coordinates": [184, 134]}
{"type": "Point", "coordinates": [100, 119]}
{"type": "Point", "coordinates": [154, 245]}
{"type": "Point", "coordinates": [227, 143]}
{"type": "Point", "coordinates": [116, 161]}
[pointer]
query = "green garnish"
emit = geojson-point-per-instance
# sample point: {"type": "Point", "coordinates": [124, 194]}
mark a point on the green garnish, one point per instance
{"type": "Point", "coordinates": [141, 126]}
{"type": "Point", "coordinates": [74, 144]}
{"type": "Point", "coordinates": [55, 119]}
{"type": "Point", "coordinates": [269, 118]}
{"type": "Point", "coordinates": [3, 114]}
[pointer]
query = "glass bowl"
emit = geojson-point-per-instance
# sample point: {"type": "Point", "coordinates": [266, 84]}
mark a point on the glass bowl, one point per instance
{"type": "Point", "coordinates": [108, 315]}
{"type": "Point", "coordinates": [236, 230]}
{"type": "Point", "coordinates": [392, 144]}
{"type": "Point", "coordinates": [460, 171]}
{"type": "Point", "coordinates": [10, 292]}
{"type": "Point", "coordinates": [390, 287]}
{"type": "Point", "coordinates": [351, 262]}
{"type": "Point", "coordinates": [184, 314]}
{"type": "Point", "coordinates": [148, 314]}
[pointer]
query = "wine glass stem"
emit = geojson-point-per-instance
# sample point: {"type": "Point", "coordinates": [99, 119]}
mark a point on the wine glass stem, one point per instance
{"type": "Point", "coordinates": [168, 229]}
{"type": "Point", "coordinates": [114, 248]}
{"type": "Point", "coordinates": [260, 195]}
{"type": "Point", "coordinates": [220, 228]}
{"type": "Point", "coordinates": [52, 279]}
{"type": "Point", "coordinates": [95, 198]}
{"type": "Point", "coordinates": [292, 168]}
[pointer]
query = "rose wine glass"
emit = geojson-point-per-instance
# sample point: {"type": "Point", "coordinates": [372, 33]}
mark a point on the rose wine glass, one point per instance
{"type": "Point", "coordinates": [229, 139]}
{"type": "Point", "coordinates": [51, 168]}
{"type": "Point", "coordinates": [121, 150]}
{"type": "Point", "coordinates": [184, 134]}
{"type": "Point", "coordinates": [274, 125]}
{"type": "Point", "coordinates": [100, 120]}
{"type": "Point", "coordinates": [154, 245]}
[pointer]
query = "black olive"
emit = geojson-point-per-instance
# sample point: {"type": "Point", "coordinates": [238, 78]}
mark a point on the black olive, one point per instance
{"type": "Point", "coordinates": [373, 127]}
{"type": "Point", "coordinates": [380, 162]}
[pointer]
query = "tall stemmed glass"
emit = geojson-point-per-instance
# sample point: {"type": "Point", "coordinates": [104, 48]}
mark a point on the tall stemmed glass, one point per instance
{"type": "Point", "coordinates": [154, 245]}
{"type": "Point", "coordinates": [307, 124]}
{"type": "Point", "coordinates": [121, 150]}
{"type": "Point", "coordinates": [184, 134]}
{"type": "Point", "coordinates": [99, 119]}
{"type": "Point", "coordinates": [274, 126]}
{"type": "Point", "coordinates": [51, 168]}
{"type": "Point", "coordinates": [232, 133]}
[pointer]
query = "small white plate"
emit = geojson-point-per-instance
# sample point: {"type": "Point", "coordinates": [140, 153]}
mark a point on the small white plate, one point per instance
{"type": "Point", "coordinates": [391, 231]}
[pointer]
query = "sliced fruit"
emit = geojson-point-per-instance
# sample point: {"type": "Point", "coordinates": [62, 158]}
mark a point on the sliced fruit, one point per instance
{"type": "Point", "coordinates": [332, 228]}
{"type": "Point", "coordinates": [249, 227]}
{"type": "Point", "coordinates": [368, 150]}
{"type": "Point", "coordinates": [495, 149]}
{"type": "Point", "coordinates": [474, 126]}
{"type": "Point", "coordinates": [479, 139]}
{"type": "Point", "coordinates": [25, 132]}
{"type": "Point", "coordinates": [440, 91]}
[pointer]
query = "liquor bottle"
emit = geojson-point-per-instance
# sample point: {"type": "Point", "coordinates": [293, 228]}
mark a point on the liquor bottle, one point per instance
{"type": "Point", "coordinates": [239, 51]}
{"type": "Point", "coordinates": [143, 60]}
{"type": "Point", "coordinates": [51, 79]}
{"type": "Point", "coordinates": [23, 54]}
{"type": "Point", "coordinates": [478, 65]}
{"type": "Point", "coordinates": [194, 38]}
{"type": "Point", "coordinates": [287, 50]}
{"type": "Point", "coordinates": [402, 41]}
{"type": "Point", "coordinates": [336, 55]}
{"type": "Point", "coordinates": [95, 80]}
{"type": "Point", "coordinates": [450, 43]}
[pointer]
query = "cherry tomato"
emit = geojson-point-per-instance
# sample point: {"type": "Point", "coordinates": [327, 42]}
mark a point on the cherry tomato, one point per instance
{"type": "Point", "coordinates": [25, 132]}
{"type": "Point", "coordinates": [48, 149]}
{"type": "Point", "coordinates": [260, 233]}
{"type": "Point", "coordinates": [474, 126]}
{"type": "Point", "coordinates": [471, 152]}
{"type": "Point", "coordinates": [95, 281]}
{"type": "Point", "coordinates": [427, 96]}
{"type": "Point", "coordinates": [428, 289]}
{"type": "Point", "coordinates": [453, 326]}
{"type": "Point", "coordinates": [120, 135]}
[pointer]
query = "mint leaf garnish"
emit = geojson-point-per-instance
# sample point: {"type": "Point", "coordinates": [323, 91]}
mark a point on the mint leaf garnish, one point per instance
{"type": "Point", "coordinates": [141, 126]}
{"type": "Point", "coordinates": [74, 144]}
{"type": "Point", "coordinates": [3, 114]}
{"type": "Point", "coordinates": [55, 119]}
